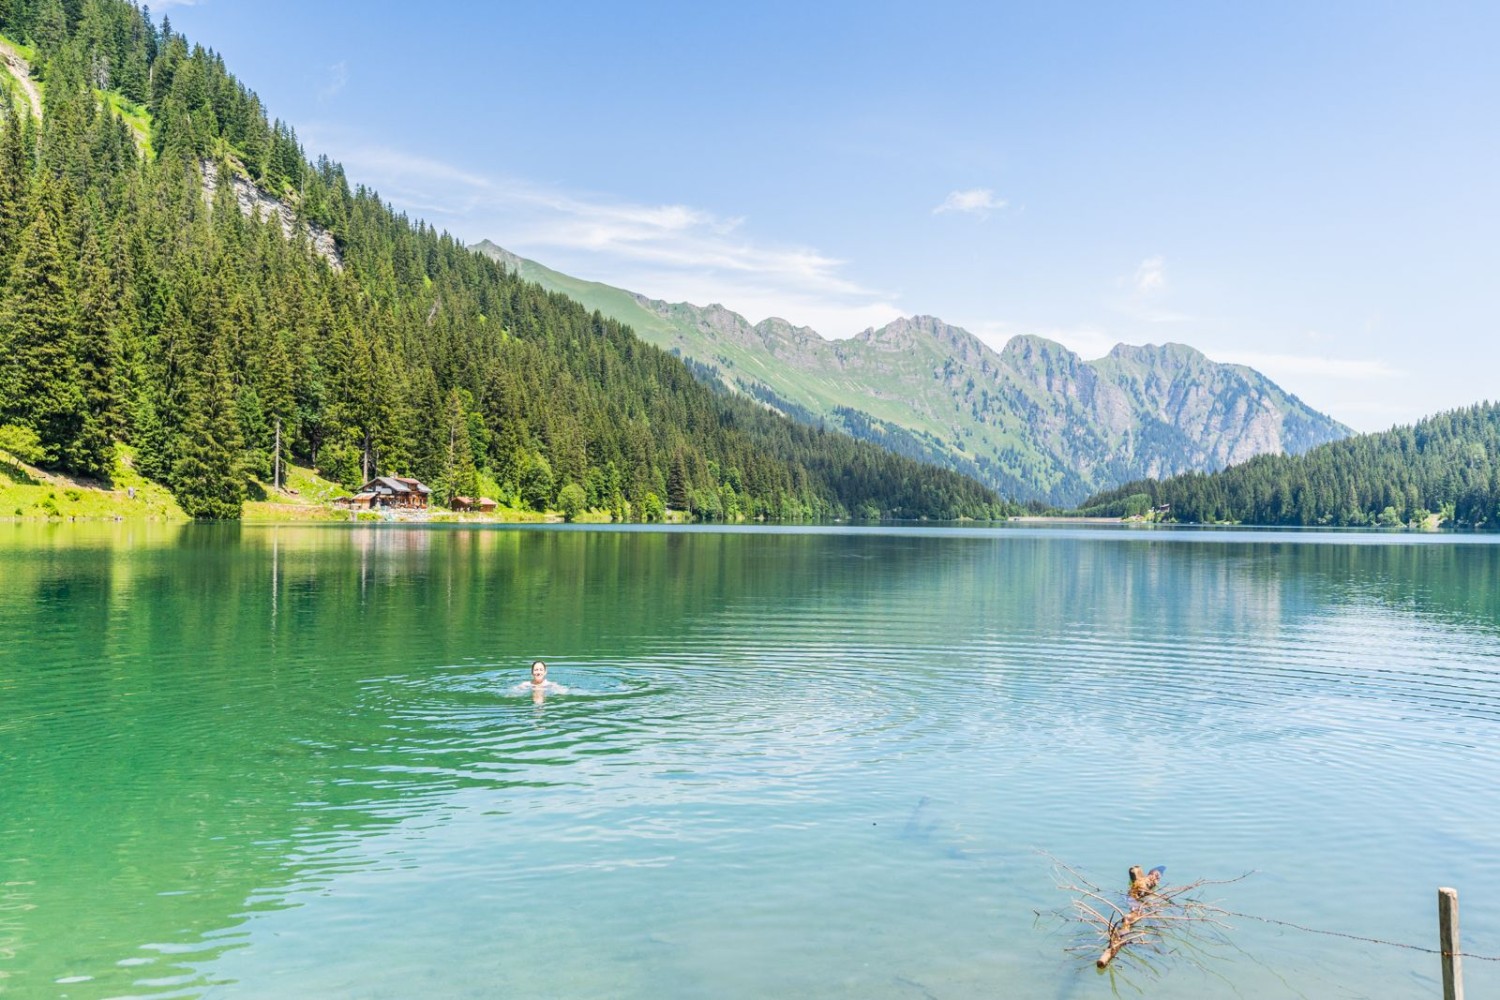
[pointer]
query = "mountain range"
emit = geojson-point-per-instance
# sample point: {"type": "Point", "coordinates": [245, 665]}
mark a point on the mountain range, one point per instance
{"type": "Point", "coordinates": [1034, 420]}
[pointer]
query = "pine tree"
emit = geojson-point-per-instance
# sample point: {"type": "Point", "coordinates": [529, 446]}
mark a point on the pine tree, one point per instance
{"type": "Point", "coordinates": [278, 394]}
{"type": "Point", "coordinates": [208, 478]}
{"type": "Point", "coordinates": [39, 384]}
{"type": "Point", "coordinates": [15, 169]}
{"type": "Point", "coordinates": [93, 452]}
{"type": "Point", "coordinates": [159, 409]}
{"type": "Point", "coordinates": [458, 476]}
{"type": "Point", "coordinates": [258, 433]}
{"type": "Point", "coordinates": [49, 27]}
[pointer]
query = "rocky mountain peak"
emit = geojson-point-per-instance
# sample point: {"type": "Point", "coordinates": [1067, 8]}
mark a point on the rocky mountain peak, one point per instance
{"type": "Point", "coordinates": [1160, 355]}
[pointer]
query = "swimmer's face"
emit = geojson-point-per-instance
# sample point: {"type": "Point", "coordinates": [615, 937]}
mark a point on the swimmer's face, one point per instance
{"type": "Point", "coordinates": [538, 672]}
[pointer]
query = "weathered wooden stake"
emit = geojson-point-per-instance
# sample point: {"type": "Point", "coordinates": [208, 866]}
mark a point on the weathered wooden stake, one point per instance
{"type": "Point", "coordinates": [276, 479]}
{"type": "Point", "coordinates": [1453, 967]}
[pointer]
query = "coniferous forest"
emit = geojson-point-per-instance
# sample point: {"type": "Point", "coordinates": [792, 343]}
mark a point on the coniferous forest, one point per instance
{"type": "Point", "coordinates": [141, 306]}
{"type": "Point", "coordinates": [1447, 465]}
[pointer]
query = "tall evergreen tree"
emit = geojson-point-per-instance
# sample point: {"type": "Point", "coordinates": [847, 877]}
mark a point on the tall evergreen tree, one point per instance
{"type": "Point", "coordinates": [39, 381]}
{"type": "Point", "coordinates": [208, 478]}
{"type": "Point", "coordinates": [15, 170]}
{"type": "Point", "coordinates": [93, 451]}
{"type": "Point", "coordinates": [458, 476]}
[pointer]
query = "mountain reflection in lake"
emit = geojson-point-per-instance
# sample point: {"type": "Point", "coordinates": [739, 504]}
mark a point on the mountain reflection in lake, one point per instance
{"type": "Point", "coordinates": [261, 762]}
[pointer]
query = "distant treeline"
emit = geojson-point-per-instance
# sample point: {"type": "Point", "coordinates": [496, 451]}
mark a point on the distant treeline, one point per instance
{"type": "Point", "coordinates": [1447, 465]}
{"type": "Point", "coordinates": [133, 309]}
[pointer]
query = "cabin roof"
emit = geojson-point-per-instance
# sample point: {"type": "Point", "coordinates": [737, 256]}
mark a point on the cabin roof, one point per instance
{"type": "Point", "coordinates": [394, 484]}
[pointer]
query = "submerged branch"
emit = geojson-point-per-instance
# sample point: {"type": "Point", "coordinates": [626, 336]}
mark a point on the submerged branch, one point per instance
{"type": "Point", "coordinates": [1142, 922]}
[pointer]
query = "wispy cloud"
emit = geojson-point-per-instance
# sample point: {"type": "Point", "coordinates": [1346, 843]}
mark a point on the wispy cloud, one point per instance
{"type": "Point", "coordinates": [974, 201]}
{"type": "Point", "coordinates": [1151, 276]}
{"type": "Point", "coordinates": [1279, 366]}
{"type": "Point", "coordinates": [668, 251]}
{"type": "Point", "coordinates": [1145, 293]}
{"type": "Point", "coordinates": [164, 4]}
{"type": "Point", "coordinates": [338, 77]}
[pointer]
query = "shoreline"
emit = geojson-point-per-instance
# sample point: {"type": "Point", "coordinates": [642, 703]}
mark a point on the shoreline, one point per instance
{"type": "Point", "coordinates": [1056, 519]}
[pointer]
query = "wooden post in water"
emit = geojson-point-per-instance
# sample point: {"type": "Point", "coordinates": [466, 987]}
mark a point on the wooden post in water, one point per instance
{"type": "Point", "coordinates": [1453, 968]}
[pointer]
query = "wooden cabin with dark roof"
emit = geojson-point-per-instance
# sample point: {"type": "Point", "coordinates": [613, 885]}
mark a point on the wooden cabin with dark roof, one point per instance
{"type": "Point", "coordinates": [395, 492]}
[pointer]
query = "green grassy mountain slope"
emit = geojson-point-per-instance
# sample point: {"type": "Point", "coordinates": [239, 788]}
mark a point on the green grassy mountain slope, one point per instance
{"type": "Point", "coordinates": [1033, 420]}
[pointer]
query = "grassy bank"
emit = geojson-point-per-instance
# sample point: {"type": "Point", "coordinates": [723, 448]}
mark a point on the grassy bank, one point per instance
{"type": "Point", "coordinates": [28, 493]}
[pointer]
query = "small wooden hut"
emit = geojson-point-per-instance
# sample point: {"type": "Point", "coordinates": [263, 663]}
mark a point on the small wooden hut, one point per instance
{"type": "Point", "coordinates": [394, 491]}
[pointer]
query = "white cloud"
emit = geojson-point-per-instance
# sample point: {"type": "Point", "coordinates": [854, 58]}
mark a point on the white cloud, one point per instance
{"type": "Point", "coordinates": [160, 5]}
{"type": "Point", "coordinates": [1151, 277]}
{"type": "Point", "coordinates": [1279, 366]}
{"type": "Point", "coordinates": [1145, 294]}
{"type": "Point", "coordinates": [975, 201]}
{"type": "Point", "coordinates": [338, 77]}
{"type": "Point", "coordinates": [667, 251]}
{"type": "Point", "coordinates": [385, 164]}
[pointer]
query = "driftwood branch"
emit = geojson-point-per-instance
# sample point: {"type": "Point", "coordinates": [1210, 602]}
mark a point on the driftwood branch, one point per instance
{"type": "Point", "coordinates": [1142, 921]}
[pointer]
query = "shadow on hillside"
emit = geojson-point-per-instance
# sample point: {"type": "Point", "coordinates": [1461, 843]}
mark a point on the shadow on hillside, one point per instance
{"type": "Point", "coordinates": [16, 471]}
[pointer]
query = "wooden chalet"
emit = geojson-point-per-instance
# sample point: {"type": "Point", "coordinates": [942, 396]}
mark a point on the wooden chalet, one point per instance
{"type": "Point", "coordinates": [390, 492]}
{"type": "Point", "coordinates": [482, 504]}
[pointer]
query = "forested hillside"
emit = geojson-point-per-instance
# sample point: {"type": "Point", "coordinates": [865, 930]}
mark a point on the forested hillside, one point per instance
{"type": "Point", "coordinates": [139, 308]}
{"type": "Point", "coordinates": [1447, 465]}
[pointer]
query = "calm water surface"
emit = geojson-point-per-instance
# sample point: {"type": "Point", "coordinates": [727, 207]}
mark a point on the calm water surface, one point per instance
{"type": "Point", "coordinates": [289, 761]}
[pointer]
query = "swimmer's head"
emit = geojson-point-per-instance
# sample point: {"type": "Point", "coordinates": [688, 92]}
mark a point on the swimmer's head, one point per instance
{"type": "Point", "coordinates": [538, 672]}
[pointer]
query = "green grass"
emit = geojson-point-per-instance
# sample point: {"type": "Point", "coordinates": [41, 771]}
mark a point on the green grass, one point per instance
{"type": "Point", "coordinates": [265, 511]}
{"type": "Point", "coordinates": [26, 52]}
{"type": "Point", "coordinates": [11, 84]}
{"type": "Point", "coordinates": [135, 115]}
{"type": "Point", "coordinates": [312, 486]}
{"type": "Point", "coordinates": [615, 303]}
{"type": "Point", "coordinates": [308, 497]}
{"type": "Point", "coordinates": [30, 494]}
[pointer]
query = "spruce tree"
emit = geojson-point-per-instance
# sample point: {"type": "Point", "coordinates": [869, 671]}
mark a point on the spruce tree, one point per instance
{"type": "Point", "coordinates": [259, 434]}
{"type": "Point", "coordinates": [15, 169]}
{"type": "Point", "coordinates": [93, 452]}
{"type": "Point", "coordinates": [458, 476]}
{"type": "Point", "coordinates": [208, 478]}
{"type": "Point", "coordinates": [39, 383]}
{"type": "Point", "coordinates": [159, 409]}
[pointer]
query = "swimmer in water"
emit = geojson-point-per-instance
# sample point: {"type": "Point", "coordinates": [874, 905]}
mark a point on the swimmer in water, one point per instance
{"type": "Point", "coordinates": [540, 686]}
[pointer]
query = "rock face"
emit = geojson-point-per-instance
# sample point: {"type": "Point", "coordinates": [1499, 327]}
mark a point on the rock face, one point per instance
{"type": "Point", "coordinates": [1033, 420]}
{"type": "Point", "coordinates": [256, 204]}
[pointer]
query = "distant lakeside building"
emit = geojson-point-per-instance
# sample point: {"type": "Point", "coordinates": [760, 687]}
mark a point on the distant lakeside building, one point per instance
{"type": "Point", "coordinates": [395, 492]}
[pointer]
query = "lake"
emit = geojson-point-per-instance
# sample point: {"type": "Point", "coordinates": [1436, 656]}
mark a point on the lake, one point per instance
{"type": "Point", "coordinates": [826, 762]}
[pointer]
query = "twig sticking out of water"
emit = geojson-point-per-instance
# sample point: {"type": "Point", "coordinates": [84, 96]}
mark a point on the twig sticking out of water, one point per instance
{"type": "Point", "coordinates": [1141, 922]}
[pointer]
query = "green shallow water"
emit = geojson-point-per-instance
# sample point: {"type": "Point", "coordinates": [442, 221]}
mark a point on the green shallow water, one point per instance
{"type": "Point", "coordinates": [290, 761]}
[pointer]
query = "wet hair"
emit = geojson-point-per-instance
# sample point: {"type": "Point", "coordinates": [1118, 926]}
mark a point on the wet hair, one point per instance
{"type": "Point", "coordinates": [538, 663]}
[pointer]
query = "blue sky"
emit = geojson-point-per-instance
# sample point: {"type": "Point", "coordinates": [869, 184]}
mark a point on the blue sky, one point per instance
{"type": "Point", "coordinates": [1312, 189]}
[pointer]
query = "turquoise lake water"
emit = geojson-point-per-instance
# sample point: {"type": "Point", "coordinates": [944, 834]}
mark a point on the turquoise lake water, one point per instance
{"type": "Point", "coordinates": [292, 761]}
